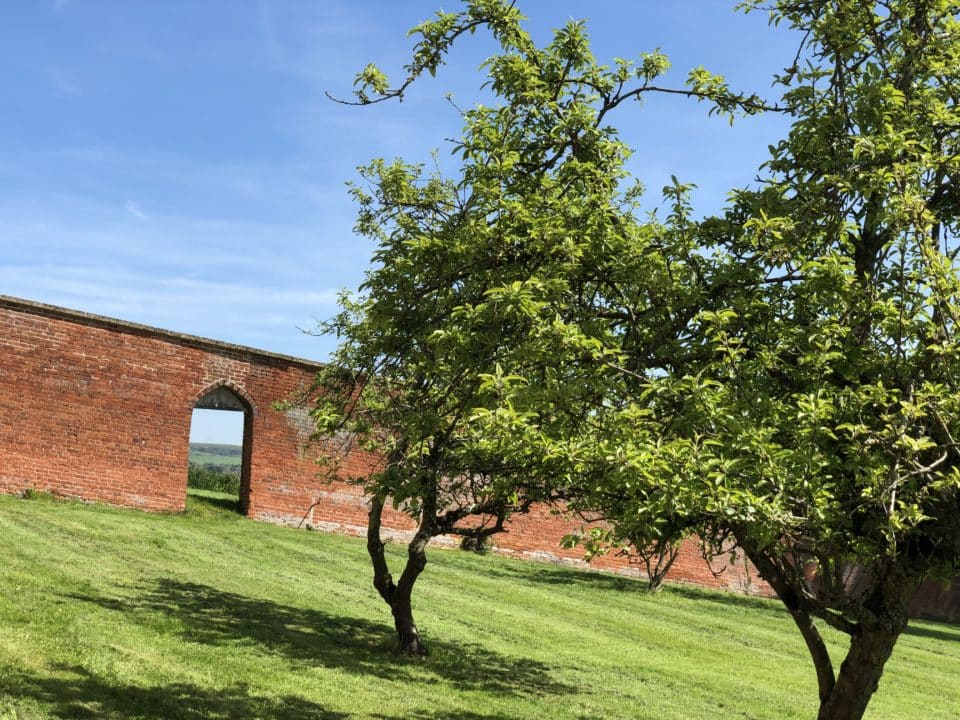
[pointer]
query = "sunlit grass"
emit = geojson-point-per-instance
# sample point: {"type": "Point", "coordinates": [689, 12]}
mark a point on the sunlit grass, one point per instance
{"type": "Point", "coordinates": [110, 613]}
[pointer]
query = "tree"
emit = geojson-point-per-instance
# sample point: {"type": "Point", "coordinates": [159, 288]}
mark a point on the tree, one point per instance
{"type": "Point", "coordinates": [812, 418]}
{"type": "Point", "coordinates": [454, 297]}
{"type": "Point", "coordinates": [447, 306]}
{"type": "Point", "coordinates": [419, 352]}
{"type": "Point", "coordinates": [782, 376]}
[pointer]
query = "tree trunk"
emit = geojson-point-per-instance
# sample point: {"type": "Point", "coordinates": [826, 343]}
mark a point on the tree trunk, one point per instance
{"type": "Point", "coordinates": [871, 642]}
{"type": "Point", "coordinates": [859, 674]}
{"type": "Point", "coordinates": [658, 561]}
{"type": "Point", "coordinates": [407, 633]}
{"type": "Point", "coordinates": [826, 681]}
{"type": "Point", "coordinates": [871, 647]}
{"type": "Point", "coordinates": [790, 598]}
{"type": "Point", "coordinates": [398, 595]}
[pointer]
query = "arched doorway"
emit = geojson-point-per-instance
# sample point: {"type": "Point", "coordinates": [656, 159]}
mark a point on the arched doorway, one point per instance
{"type": "Point", "coordinates": [220, 438]}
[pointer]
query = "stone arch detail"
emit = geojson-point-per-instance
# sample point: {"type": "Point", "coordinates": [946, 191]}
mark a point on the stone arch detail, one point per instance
{"type": "Point", "coordinates": [220, 402]}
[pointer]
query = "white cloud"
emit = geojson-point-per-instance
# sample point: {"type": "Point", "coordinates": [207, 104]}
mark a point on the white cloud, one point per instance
{"type": "Point", "coordinates": [249, 283]}
{"type": "Point", "coordinates": [245, 314]}
{"type": "Point", "coordinates": [134, 209]}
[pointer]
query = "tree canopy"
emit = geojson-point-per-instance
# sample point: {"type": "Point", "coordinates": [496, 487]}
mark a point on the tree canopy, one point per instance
{"type": "Point", "coordinates": [782, 375]}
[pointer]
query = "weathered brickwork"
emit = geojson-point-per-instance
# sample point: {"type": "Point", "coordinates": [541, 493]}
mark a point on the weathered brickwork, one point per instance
{"type": "Point", "coordinates": [99, 409]}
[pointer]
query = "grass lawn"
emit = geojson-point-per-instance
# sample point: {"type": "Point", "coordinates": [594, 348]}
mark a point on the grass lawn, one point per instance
{"type": "Point", "coordinates": [109, 613]}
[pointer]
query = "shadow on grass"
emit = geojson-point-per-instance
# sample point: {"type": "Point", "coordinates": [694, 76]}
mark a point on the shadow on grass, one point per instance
{"type": "Point", "coordinates": [949, 633]}
{"type": "Point", "coordinates": [208, 505]}
{"type": "Point", "coordinates": [445, 715]}
{"type": "Point", "coordinates": [551, 575]}
{"type": "Point", "coordinates": [75, 692]}
{"type": "Point", "coordinates": [533, 573]}
{"type": "Point", "coordinates": [313, 637]}
{"type": "Point", "coordinates": [730, 598]}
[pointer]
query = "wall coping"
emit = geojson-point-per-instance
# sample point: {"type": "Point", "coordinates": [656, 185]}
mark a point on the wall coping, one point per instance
{"type": "Point", "coordinates": [84, 318]}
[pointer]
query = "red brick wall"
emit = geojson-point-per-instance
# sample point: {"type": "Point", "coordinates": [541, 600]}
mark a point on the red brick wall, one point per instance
{"type": "Point", "coordinates": [100, 409]}
{"type": "Point", "coordinates": [937, 600]}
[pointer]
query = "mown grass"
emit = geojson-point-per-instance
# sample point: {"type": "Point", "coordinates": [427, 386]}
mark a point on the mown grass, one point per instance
{"type": "Point", "coordinates": [110, 613]}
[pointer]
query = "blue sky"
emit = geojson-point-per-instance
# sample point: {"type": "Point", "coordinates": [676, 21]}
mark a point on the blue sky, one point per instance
{"type": "Point", "coordinates": [177, 163]}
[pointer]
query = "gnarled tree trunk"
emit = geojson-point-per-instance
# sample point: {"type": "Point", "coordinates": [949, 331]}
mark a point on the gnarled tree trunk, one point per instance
{"type": "Point", "coordinates": [398, 595]}
{"type": "Point", "coordinates": [871, 644]}
{"type": "Point", "coordinates": [844, 696]}
{"type": "Point", "coordinates": [859, 674]}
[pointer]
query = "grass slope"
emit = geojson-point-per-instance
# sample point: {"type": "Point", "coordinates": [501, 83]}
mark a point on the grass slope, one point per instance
{"type": "Point", "coordinates": [111, 613]}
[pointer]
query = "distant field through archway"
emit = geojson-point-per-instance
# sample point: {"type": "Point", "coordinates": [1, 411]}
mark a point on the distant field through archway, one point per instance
{"type": "Point", "coordinates": [220, 427]}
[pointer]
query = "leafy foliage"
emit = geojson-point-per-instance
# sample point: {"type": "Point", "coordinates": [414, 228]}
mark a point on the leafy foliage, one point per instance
{"type": "Point", "coordinates": [782, 376]}
{"type": "Point", "coordinates": [206, 478]}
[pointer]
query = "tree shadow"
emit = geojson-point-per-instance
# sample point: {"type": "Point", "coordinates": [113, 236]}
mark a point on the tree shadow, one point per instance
{"type": "Point", "coordinates": [75, 692]}
{"type": "Point", "coordinates": [754, 603]}
{"type": "Point", "coordinates": [313, 637]}
{"type": "Point", "coordinates": [950, 633]}
{"type": "Point", "coordinates": [446, 715]}
{"type": "Point", "coordinates": [543, 574]}
{"type": "Point", "coordinates": [550, 575]}
{"type": "Point", "coordinates": [206, 505]}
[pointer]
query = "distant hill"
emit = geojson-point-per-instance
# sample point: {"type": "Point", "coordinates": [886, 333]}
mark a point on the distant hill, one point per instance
{"type": "Point", "coordinates": [217, 456]}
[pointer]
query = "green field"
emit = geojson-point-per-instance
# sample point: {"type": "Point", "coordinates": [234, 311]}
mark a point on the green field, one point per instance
{"type": "Point", "coordinates": [222, 457]}
{"type": "Point", "coordinates": [111, 613]}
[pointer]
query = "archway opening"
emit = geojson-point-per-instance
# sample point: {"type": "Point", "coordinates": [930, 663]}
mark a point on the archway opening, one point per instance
{"type": "Point", "coordinates": [219, 472]}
